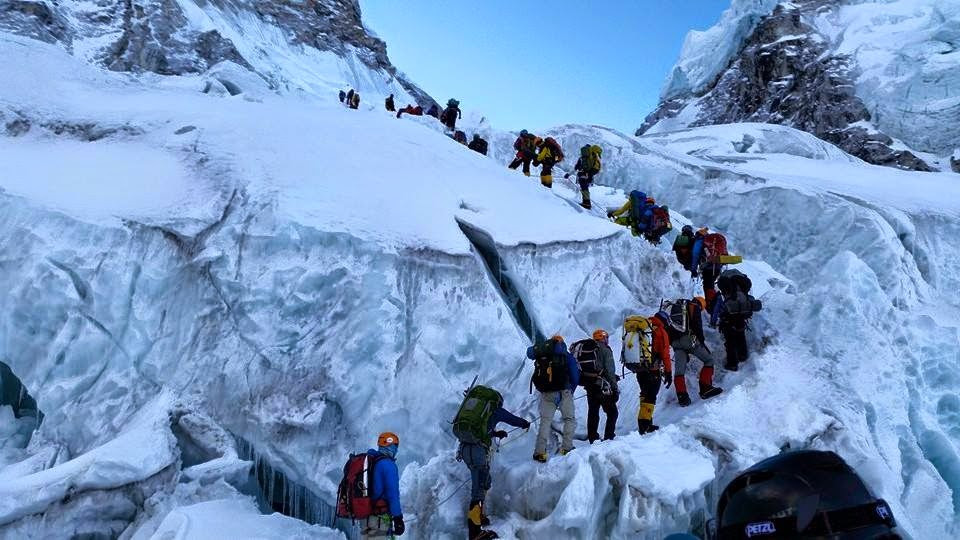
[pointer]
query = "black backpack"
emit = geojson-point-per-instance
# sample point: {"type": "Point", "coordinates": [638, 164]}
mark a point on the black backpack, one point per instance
{"type": "Point", "coordinates": [587, 353]}
{"type": "Point", "coordinates": [549, 368]}
{"type": "Point", "coordinates": [677, 315]}
{"type": "Point", "coordinates": [731, 281]}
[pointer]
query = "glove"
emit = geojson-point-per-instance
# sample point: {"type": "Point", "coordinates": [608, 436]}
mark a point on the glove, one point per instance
{"type": "Point", "coordinates": [500, 434]}
{"type": "Point", "coordinates": [526, 425]}
{"type": "Point", "coordinates": [398, 526]}
{"type": "Point", "coordinates": [667, 379]}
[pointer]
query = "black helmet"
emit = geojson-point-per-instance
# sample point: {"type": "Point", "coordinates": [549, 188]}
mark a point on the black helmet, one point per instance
{"type": "Point", "coordinates": [687, 229]}
{"type": "Point", "coordinates": [523, 133]}
{"type": "Point", "coordinates": [803, 494]}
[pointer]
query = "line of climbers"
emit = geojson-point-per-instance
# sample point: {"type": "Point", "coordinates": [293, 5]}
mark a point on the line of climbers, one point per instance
{"type": "Point", "coordinates": [547, 153]}
{"type": "Point", "coordinates": [369, 491]}
{"type": "Point", "coordinates": [350, 98]}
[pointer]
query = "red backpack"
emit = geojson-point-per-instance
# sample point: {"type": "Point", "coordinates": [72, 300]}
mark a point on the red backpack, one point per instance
{"type": "Point", "coordinates": [554, 148]}
{"type": "Point", "coordinates": [354, 499]}
{"type": "Point", "coordinates": [714, 247]}
{"type": "Point", "coordinates": [661, 219]}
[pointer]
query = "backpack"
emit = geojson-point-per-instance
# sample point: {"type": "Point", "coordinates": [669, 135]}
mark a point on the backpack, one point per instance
{"type": "Point", "coordinates": [472, 423]}
{"type": "Point", "coordinates": [660, 222]}
{"type": "Point", "coordinates": [637, 352]}
{"type": "Point", "coordinates": [741, 303]}
{"type": "Point", "coordinates": [677, 315]}
{"type": "Point", "coordinates": [549, 368]}
{"type": "Point", "coordinates": [354, 499]}
{"type": "Point", "coordinates": [638, 205]}
{"type": "Point", "coordinates": [590, 158]}
{"type": "Point", "coordinates": [528, 144]}
{"type": "Point", "coordinates": [714, 247]}
{"type": "Point", "coordinates": [587, 353]}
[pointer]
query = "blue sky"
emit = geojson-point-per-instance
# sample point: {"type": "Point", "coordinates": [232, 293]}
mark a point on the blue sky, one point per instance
{"type": "Point", "coordinates": [533, 64]}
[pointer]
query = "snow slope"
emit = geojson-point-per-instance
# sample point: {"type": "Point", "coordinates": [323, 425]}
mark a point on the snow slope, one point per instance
{"type": "Point", "coordinates": [301, 276]}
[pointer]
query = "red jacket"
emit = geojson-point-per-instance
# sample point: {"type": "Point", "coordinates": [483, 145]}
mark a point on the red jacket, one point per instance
{"type": "Point", "coordinates": [661, 343]}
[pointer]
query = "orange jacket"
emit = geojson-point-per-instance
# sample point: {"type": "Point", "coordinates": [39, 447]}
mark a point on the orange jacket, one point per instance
{"type": "Point", "coordinates": [661, 343]}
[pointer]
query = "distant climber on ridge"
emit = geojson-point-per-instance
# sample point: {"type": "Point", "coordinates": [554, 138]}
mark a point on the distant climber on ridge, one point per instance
{"type": "Point", "coordinates": [478, 144]}
{"type": "Point", "coordinates": [389, 105]}
{"type": "Point", "coordinates": [526, 147]}
{"type": "Point", "coordinates": [451, 114]}
{"type": "Point", "coordinates": [548, 155]}
{"type": "Point", "coordinates": [475, 426]}
{"type": "Point", "coordinates": [369, 492]}
{"type": "Point", "coordinates": [556, 375]}
{"type": "Point", "coordinates": [434, 111]}
{"type": "Point", "coordinates": [646, 352]}
{"type": "Point", "coordinates": [683, 320]}
{"type": "Point", "coordinates": [411, 110]}
{"type": "Point", "coordinates": [598, 376]}
{"type": "Point", "coordinates": [355, 100]}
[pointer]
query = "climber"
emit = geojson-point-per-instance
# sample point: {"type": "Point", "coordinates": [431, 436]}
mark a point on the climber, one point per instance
{"type": "Point", "coordinates": [460, 137]}
{"type": "Point", "coordinates": [377, 508]}
{"type": "Point", "coordinates": [683, 247]}
{"type": "Point", "coordinates": [556, 375]}
{"type": "Point", "coordinates": [731, 314]}
{"type": "Point", "coordinates": [683, 320]}
{"type": "Point", "coordinates": [587, 167]}
{"type": "Point", "coordinates": [643, 216]}
{"type": "Point", "coordinates": [478, 144]}
{"type": "Point", "coordinates": [646, 352]}
{"type": "Point", "coordinates": [343, 96]}
{"type": "Point", "coordinates": [707, 259]}
{"type": "Point", "coordinates": [475, 426]}
{"type": "Point", "coordinates": [598, 376]}
{"type": "Point", "coordinates": [355, 100]}
{"type": "Point", "coordinates": [451, 114]}
{"type": "Point", "coordinates": [548, 155]}
{"type": "Point", "coordinates": [349, 96]}
{"type": "Point", "coordinates": [389, 105]}
{"type": "Point", "coordinates": [411, 110]}
{"type": "Point", "coordinates": [434, 111]}
{"type": "Point", "coordinates": [802, 494]}
{"type": "Point", "coordinates": [526, 147]}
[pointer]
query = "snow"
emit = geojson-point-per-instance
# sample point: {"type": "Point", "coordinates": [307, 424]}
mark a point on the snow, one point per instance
{"type": "Point", "coordinates": [292, 273]}
{"type": "Point", "coordinates": [234, 518]}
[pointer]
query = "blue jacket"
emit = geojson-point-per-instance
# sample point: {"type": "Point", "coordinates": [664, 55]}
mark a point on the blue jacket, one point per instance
{"type": "Point", "coordinates": [385, 485]}
{"type": "Point", "coordinates": [573, 368]}
{"type": "Point", "coordinates": [503, 415]}
{"type": "Point", "coordinates": [696, 254]}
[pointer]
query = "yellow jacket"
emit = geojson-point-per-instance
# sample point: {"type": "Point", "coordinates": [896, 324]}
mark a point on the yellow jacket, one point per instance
{"type": "Point", "coordinates": [625, 209]}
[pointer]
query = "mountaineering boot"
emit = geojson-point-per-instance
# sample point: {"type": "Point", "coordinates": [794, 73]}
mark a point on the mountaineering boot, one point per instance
{"type": "Point", "coordinates": [546, 180]}
{"type": "Point", "coordinates": [542, 458]}
{"type": "Point", "coordinates": [683, 399]}
{"type": "Point", "coordinates": [565, 452]}
{"type": "Point", "coordinates": [707, 389]}
{"type": "Point", "coordinates": [475, 520]}
{"type": "Point", "coordinates": [645, 418]}
{"type": "Point", "coordinates": [729, 366]}
{"type": "Point", "coordinates": [526, 173]}
{"type": "Point", "coordinates": [586, 198]}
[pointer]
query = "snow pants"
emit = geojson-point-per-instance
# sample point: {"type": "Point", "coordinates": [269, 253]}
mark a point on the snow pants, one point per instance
{"type": "Point", "coordinates": [735, 344]}
{"type": "Point", "coordinates": [477, 460]}
{"type": "Point", "coordinates": [524, 160]}
{"type": "Point", "coordinates": [549, 403]}
{"type": "Point", "coordinates": [595, 401]}
{"type": "Point", "coordinates": [682, 356]}
{"type": "Point", "coordinates": [377, 527]}
{"type": "Point", "coordinates": [649, 382]}
{"type": "Point", "coordinates": [584, 181]}
{"type": "Point", "coordinates": [710, 273]}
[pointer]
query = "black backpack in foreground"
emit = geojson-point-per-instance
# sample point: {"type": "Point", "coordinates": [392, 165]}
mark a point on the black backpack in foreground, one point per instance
{"type": "Point", "coordinates": [549, 367]}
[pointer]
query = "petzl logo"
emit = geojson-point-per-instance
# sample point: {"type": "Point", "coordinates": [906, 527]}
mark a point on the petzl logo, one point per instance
{"type": "Point", "coordinates": [760, 529]}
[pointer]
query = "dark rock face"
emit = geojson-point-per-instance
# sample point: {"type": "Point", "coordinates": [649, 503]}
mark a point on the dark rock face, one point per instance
{"type": "Point", "coordinates": [157, 36]}
{"type": "Point", "coordinates": [785, 75]}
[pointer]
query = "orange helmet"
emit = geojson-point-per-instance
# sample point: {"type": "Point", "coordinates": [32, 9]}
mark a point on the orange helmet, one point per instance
{"type": "Point", "coordinates": [704, 230]}
{"type": "Point", "coordinates": [651, 200]}
{"type": "Point", "coordinates": [600, 334]}
{"type": "Point", "coordinates": [557, 337]}
{"type": "Point", "coordinates": [388, 438]}
{"type": "Point", "coordinates": [702, 301]}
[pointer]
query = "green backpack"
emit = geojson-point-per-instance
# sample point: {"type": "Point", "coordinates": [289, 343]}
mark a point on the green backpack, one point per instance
{"type": "Point", "coordinates": [472, 423]}
{"type": "Point", "coordinates": [590, 158]}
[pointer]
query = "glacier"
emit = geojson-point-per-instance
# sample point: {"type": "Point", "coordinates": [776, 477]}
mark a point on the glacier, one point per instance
{"type": "Point", "coordinates": [200, 284]}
